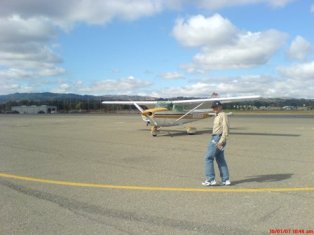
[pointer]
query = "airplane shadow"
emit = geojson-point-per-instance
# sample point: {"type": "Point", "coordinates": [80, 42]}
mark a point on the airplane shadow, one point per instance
{"type": "Point", "coordinates": [173, 133]}
{"type": "Point", "coordinates": [264, 178]}
{"type": "Point", "coordinates": [265, 134]}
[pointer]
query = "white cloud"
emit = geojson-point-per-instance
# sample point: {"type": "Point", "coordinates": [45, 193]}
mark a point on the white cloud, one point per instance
{"type": "Point", "coordinates": [290, 82]}
{"type": "Point", "coordinates": [266, 86]}
{"type": "Point", "coordinates": [20, 74]}
{"type": "Point", "coordinates": [300, 49]}
{"type": "Point", "coordinates": [24, 48]}
{"type": "Point", "coordinates": [280, 3]}
{"type": "Point", "coordinates": [123, 86]}
{"type": "Point", "coordinates": [128, 85]}
{"type": "Point", "coordinates": [100, 11]}
{"type": "Point", "coordinates": [28, 29]}
{"type": "Point", "coordinates": [13, 73]}
{"type": "Point", "coordinates": [299, 71]}
{"type": "Point", "coordinates": [223, 46]}
{"type": "Point", "coordinates": [8, 86]}
{"type": "Point", "coordinates": [64, 88]}
{"type": "Point", "coordinates": [199, 31]}
{"type": "Point", "coordinates": [251, 49]}
{"type": "Point", "coordinates": [218, 4]}
{"type": "Point", "coordinates": [312, 8]}
{"type": "Point", "coordinates": [16, 29]}
{"type": "Point", "coordinates": [227, 86]}
{"type": "Point", "coordinates": [68, 12]}
{"type": "Point", "coordinates": [172, 75]}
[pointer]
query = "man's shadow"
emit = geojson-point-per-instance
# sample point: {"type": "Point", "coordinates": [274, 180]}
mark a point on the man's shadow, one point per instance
{"type": "Point", "coordinates": [264, 178]}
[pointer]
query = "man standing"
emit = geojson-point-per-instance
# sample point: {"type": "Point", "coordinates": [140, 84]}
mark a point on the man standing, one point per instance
{"type": "Point", "coordinates": [216, 148]}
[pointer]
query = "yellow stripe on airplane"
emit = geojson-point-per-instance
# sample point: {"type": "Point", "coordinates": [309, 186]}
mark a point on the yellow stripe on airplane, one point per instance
{"type": "Point", "coordinates": [154, 110]}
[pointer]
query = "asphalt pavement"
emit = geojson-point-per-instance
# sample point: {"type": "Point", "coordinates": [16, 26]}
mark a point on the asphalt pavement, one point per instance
{"type": "Point", "coordinates": [106, 174]}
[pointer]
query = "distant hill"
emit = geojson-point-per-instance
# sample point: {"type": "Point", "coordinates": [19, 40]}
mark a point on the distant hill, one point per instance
{"type": "Point", "coordinates": [48, 96]}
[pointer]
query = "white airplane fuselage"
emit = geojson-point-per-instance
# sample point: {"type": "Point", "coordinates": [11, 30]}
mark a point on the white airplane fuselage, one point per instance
{"type": "Point", "coordinates": [174, 118]}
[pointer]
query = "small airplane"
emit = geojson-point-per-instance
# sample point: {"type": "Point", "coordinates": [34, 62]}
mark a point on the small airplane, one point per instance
{"type": "Point", "coordinates": [176, 112]}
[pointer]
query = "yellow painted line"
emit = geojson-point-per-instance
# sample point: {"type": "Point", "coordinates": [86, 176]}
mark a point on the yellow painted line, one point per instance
{"type": "Point", "coordinates": [146, 188]}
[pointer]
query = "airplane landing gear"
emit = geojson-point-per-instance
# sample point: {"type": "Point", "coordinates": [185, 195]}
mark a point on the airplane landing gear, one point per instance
{"type": "Point", "coordinates": [154, 130]}
{"type": "Point", "coordinates": [191, 130]}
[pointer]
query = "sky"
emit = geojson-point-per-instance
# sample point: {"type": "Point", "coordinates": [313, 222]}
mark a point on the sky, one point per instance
{"type": "Point", "coordinates": [160, 48]}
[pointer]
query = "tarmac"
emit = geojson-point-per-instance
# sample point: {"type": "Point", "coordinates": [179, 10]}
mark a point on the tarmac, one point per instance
{"type": "Point", "coordinates": [106, 174]}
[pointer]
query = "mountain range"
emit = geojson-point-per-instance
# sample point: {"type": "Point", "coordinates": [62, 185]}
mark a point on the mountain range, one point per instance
{"type": "Point", "coordinates": [48, 96]}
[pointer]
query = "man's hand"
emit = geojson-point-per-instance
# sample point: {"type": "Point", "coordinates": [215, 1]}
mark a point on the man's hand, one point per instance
{"type": "Point", "coordinates": [221, 145]}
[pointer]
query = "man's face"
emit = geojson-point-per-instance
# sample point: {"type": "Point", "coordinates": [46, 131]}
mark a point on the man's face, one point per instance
{"type": "Point", "coordinates": [217, 109]}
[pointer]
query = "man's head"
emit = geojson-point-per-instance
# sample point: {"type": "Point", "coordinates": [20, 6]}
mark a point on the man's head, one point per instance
{"type": "Point", "coordinates": [216, 106]}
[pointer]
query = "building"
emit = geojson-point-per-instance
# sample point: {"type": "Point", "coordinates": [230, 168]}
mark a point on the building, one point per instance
{"type": "Point", "coordinates": [34, 109]}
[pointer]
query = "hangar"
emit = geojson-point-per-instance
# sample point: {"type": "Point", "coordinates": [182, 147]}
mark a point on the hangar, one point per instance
{"type": "Point", "coordinates": [34, 109]}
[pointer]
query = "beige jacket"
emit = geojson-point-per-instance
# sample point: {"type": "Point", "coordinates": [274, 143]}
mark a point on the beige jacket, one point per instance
{"type": "Point", "coordinates": [221, 126]}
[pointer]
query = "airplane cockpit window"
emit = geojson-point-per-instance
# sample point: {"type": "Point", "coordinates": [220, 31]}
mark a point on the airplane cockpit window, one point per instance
{"type": "Point", "coordinates": [167, 105]}
{"type": "Point", "coordinates": [178, 108]}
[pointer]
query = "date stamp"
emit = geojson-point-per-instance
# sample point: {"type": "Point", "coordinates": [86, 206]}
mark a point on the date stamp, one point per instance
{"type": "Point", "coordinates": [290, 231]}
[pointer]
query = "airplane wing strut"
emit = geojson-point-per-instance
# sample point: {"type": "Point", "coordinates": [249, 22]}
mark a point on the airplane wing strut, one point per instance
{"type": "Point", "coordinates": [190, 111]}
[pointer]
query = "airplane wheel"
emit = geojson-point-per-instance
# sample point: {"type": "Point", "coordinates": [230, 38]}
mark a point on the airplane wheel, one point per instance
{"type": "Point", "coordinates": [154, 131]}
{"type": "Point", "coordinates": [191, 130]}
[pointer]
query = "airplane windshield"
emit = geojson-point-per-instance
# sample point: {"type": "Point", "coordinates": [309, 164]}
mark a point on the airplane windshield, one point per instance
{"type": "Point", "coordinates": [170, 106]}
{"type": "Point", "coordinates": [178, 108]}
{"type": "Point", "coordinates": [164, 104]}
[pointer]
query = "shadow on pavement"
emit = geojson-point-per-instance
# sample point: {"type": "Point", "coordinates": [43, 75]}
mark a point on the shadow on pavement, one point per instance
{"type": "Point", "coordinates": [173, 132]}
{"type": "Point", "coordinates": [265, 134]}
{"type": "Point", "coordinates": [264, 178]}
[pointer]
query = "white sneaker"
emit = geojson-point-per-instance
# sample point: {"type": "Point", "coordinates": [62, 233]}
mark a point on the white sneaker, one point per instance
{"type": "Point", "coordinates": [226, 183]}
{"type": "Point", "coordinates": [209, 183]}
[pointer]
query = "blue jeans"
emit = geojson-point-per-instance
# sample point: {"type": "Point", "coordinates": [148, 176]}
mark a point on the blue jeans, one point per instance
{"type": "Point", "coordinates": [214, 153]}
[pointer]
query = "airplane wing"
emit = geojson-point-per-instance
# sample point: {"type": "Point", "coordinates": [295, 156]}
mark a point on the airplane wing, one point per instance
{"type": "Point", "coordinates": [221, 99]}
{"type": "Point", "coordinates": [130, 102]}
